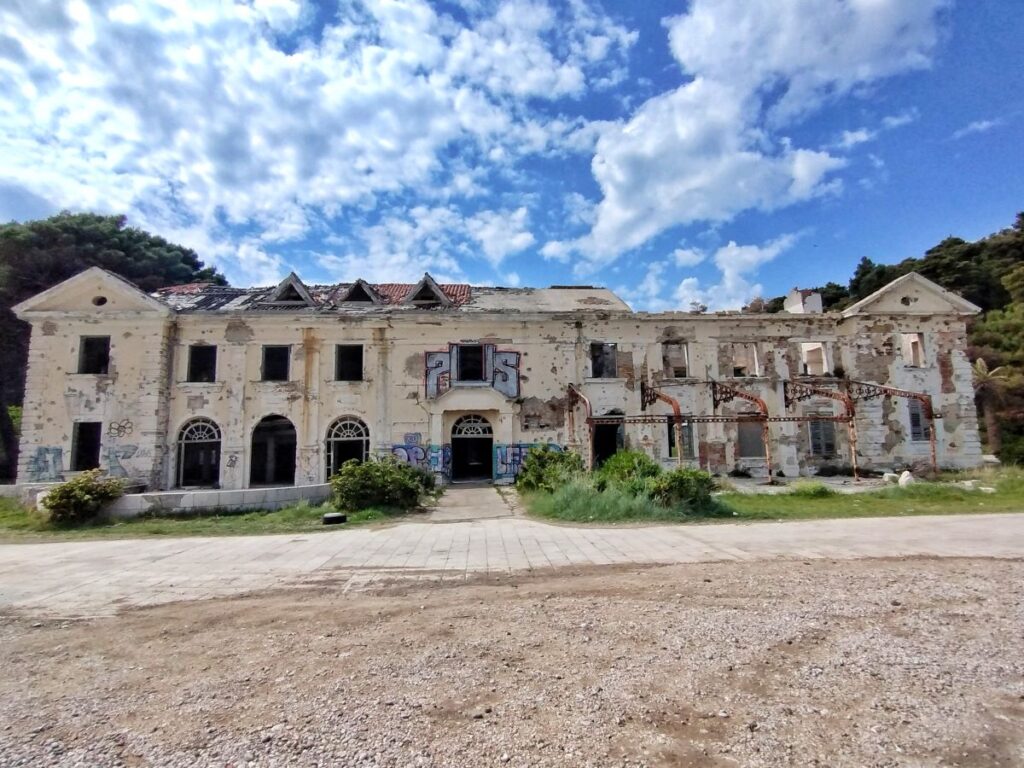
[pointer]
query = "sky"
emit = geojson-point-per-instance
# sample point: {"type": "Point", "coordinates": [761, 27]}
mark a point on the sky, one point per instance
{"type": "Point", "coordinates": [706, 151]}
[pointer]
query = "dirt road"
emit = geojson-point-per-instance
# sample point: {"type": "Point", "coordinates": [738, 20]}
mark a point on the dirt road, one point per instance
{"type": "Point", "coordinates": [860, 663]}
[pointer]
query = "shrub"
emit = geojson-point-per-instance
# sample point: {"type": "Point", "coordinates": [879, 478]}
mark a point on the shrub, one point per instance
{"type": "Point", "coordinates": [627, 467]}
{"type": "Point", "coordinates": [810, 489]}
{"type": "Point", "coordinates": [80, 499]}
{"type": "Point", "coordinates": [425, 478]}
{"type": "Point", "coordinates": [690, 488]}
{"type": "Point", "coordinates": [381, 482]}
{"type": "Point", "coordinates": [580, 500]}
{"type": "Point", "coordinates": [544, 469]}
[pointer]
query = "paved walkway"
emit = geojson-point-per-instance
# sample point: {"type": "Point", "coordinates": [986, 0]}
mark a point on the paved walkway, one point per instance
{"type": "Point", "coordinates": [461, 503]}
{"type": "Point", "coordinates": [99, 577]}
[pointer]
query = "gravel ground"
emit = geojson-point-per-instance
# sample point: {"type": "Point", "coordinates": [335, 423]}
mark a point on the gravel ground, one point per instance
{"type": "Point", "coordinates": [863, 663]}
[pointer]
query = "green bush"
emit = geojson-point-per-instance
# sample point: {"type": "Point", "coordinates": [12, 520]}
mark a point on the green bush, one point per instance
{"type": "Point", "coordinates": [545, 469]}
{"type": "Point", "coordinates": [689, 488]}
{"type": "Point", "coordinates": [580, 500]}
{"type": "Point", "coordinates": [626, 468]}
{"type": "Point", "coordinates": [381, 482]}
{"type": "Point", "coordinates": [80, 499]}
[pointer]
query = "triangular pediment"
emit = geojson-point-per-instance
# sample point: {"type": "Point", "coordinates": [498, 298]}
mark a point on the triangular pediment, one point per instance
{"type": "Point", "coordinates": [427, 293]}
{"type": "Point", "coordinates": [291, 290]}
{"type": "Point", "coordinates": [94, 290]}
{"type": "Point", "coordinates": [912, 294]}
{"type": "Point", "coordinates": [361, 292]}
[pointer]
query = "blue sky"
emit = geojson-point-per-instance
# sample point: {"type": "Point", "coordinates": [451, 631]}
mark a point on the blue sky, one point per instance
{"type": "Point", "coordinates": [708, 151]}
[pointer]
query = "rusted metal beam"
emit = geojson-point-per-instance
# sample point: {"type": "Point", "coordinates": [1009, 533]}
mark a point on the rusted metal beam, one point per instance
{"type": "Point", "coordinates": [723, 393]}
{"type": "Point", "coordinates": [866, 390]}
{"type": "Point", "coordinates": [795, 391]}
{"type": "Point", "coordinates": [648, 396]}
{"type": "Point", "coordinates": [576, 397]}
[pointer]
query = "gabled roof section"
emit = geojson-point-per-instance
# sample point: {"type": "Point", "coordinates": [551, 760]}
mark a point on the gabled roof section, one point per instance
{"type": "Point", "coordinates": [912, 294]}
{"type": "Point", "coordinates": [291, 291]}
{"type": "Point", "coordinates": [427, 293]}
{"type": "Point", "coordinates": [92, 290]}
{"type": "Point", "coordinates": [362, 292]}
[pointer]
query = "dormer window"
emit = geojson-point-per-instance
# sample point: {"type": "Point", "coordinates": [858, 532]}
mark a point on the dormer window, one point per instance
{"type": "Point", "coordinates": [427, 294]}
{"type": "Point", "coordinates": [291, 292]}
{"type": "Point", "coordinates": [360, 292]}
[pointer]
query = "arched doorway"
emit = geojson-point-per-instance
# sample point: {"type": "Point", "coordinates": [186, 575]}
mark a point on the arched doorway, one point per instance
{"type": "Point", "coordinates": [272, 459]}
{"type": "Point", "coordinates": [472, 449]}
{"type": "Point", "coordinates": [199, 454]}
{"type": "Point", "coordinates": [347, 438]}
{"type": "Point", "coordinates": [609, 439]}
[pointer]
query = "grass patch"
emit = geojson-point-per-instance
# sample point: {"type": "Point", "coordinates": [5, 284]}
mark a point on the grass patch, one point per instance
{"type": "Point", "coordinates": [18, 522]}
{"type": "Point", "coordinates": [579, 501]}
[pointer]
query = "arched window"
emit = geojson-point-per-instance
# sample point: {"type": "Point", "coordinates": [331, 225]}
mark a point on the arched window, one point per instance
{"type": "Point", "coordinates": [199, 454]}
{"type": "Point", "coordinates": [471, 425]}
{"type": "Point", "coordinates": [347, 438]}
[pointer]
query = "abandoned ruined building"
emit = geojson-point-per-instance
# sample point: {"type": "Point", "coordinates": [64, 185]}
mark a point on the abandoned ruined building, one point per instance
{"type": "Point", "coordinates": [210, 386]}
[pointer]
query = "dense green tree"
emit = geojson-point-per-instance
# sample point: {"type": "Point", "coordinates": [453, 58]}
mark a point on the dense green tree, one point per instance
{"type": "Point", "coordinates": [36, 255]}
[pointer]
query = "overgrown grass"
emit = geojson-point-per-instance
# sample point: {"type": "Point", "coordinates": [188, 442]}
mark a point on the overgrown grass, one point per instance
{"type": "Point", "coordinates": [17, 522]}
{"type": "Point", "coordinates": [806, 499]}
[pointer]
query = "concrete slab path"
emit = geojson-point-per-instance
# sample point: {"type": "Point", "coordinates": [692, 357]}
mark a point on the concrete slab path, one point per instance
{"type": "Point", "coordinates": [471, 502]}
{"type": "Point", "coordinates": [85, 578]}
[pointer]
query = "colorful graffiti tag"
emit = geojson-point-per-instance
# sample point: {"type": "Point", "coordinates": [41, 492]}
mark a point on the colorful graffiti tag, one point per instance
{"type": "Point", "coordinates": [501, 370]}
{"type": "Point", "coordinates": [46, 465]}
{"type": "Point", "coordinates": [434, 458]}
{"type": "Point", "coordinates": [508, 459]}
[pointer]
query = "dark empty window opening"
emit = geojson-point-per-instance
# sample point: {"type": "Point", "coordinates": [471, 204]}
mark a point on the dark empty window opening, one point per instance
{"type": "Point", "coordinates": [471, 362]}
{"type": "Point", "coordinates": [686, 438]}
{"type": "Point", "coordinates": [823, 438]}
{"type": "Point", "coordinates": [94, 355]}
{"type": "Point", "coordinates": [85, 445]}
{"type": "Point", "coordinates": [426, 297]}
{"type": "Point", "coordinates": [602, 361]}
{"type": "Point", "coordinates": [348, 362]}
{"type": "Point", "coordinates": [359, 293]}
{"type": "Point", "coordinates": [275, 363]}
{"type": "Point", "coordinates": [290, 295]}
{"type": "Point", "coordinates": [674, 359]}
{"type": "Point", "coordinates": [202, 363]}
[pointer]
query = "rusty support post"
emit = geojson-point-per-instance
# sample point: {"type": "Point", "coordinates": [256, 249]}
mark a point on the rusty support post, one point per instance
{"type": "Point", "coordinates": [576, 396]}
{"type": "Point", "coordinates": [927, 401]}
{"type": "Point", "coordinates": [794, 391]}
{"type": "Point", "coordinates": [767, 438]}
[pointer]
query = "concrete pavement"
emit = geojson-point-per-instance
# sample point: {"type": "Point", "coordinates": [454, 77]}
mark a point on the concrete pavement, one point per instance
{"type": "Point", "coordinates": [86, 578]}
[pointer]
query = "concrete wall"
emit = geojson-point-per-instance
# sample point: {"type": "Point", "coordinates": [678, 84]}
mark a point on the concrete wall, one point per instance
{"type": "Point", "coordinates": [410, 406]}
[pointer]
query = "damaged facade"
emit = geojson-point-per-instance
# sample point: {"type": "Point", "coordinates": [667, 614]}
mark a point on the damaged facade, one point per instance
{"type": "Point", "coordinates": [211, 386]}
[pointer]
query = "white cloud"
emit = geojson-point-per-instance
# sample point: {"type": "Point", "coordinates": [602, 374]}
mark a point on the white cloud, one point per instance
{"type": "Point", "coordinates": [712, 147]}
{"type": "Point", "coordinates": [978, 126]}
{"type": "Point", "coordinates": [198, 118]}
{"type": "Point", "coordinates": [850, 139]}
{"type": "Point", "coordinates": [500, 233]}
{"type": "Point", "coordinates": [736, 265]}
{"type": "Point", "coordinates": [688, 257]}
{"type": "Point", "coordinates": [647, 295]}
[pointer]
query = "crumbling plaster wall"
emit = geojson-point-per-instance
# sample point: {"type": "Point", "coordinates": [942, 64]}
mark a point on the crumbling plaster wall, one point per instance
{"type": "Point", "coordinates": [130, 400]}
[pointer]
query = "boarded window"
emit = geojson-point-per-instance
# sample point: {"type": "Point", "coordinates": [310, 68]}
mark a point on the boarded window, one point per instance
{"type": "Point", "coordinates": [85, 445]}
{"type": "Point", "coordinates": [687, 440]}
{"type": "Point", "coordinates": [823, 438]}
{"type": "Point", "coordinates": [348, 362]}
{"type": "Point", "coordinates": [602, 361]}
{"type": "Point", "coordinates": [94, 355]}
{"type": "Point", "coordinates": [275, 363]}
{"type": "Point", "coordinates": [675, 359]}
{"type": "Point", "coordinates": [744, 360]}
{"type": "Point", "coordinates": [920, 428]}
{"type": "Point", "coordinates": [750, 435]}
{"type": "Point", "coordinates": [912, 346]}
{"type": "Point", "coordinates": [471, 362]}
{"type": "Point", "coordinates": [202, 363]}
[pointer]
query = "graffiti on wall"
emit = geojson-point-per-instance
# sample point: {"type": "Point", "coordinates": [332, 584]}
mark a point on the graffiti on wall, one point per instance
{"type": "Point", "coordinates": [434, 458]}
{"type": "Point", "coordinates": [46, 465]}
{"type": "Point", "coordinates": [120, 429]}
{"type": "Point", "coordinates": [500, 370]}
{"type": "Point", "coordinates": [115, 455]}
{"type": "Point", "coordinates": [508, 459]}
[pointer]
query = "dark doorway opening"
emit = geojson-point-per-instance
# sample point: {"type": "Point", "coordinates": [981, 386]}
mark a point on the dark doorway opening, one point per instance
{"type": "Point", "coordinates": [272, 460]}
{"type": "Point", "coordinates": [472, 449]}
{"type": "Point", "coordinates": [609, 439]}
{"type": "Point", "coordinates": [199, 454]}
{"type": "Point", "coordinates": [85, 445]}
